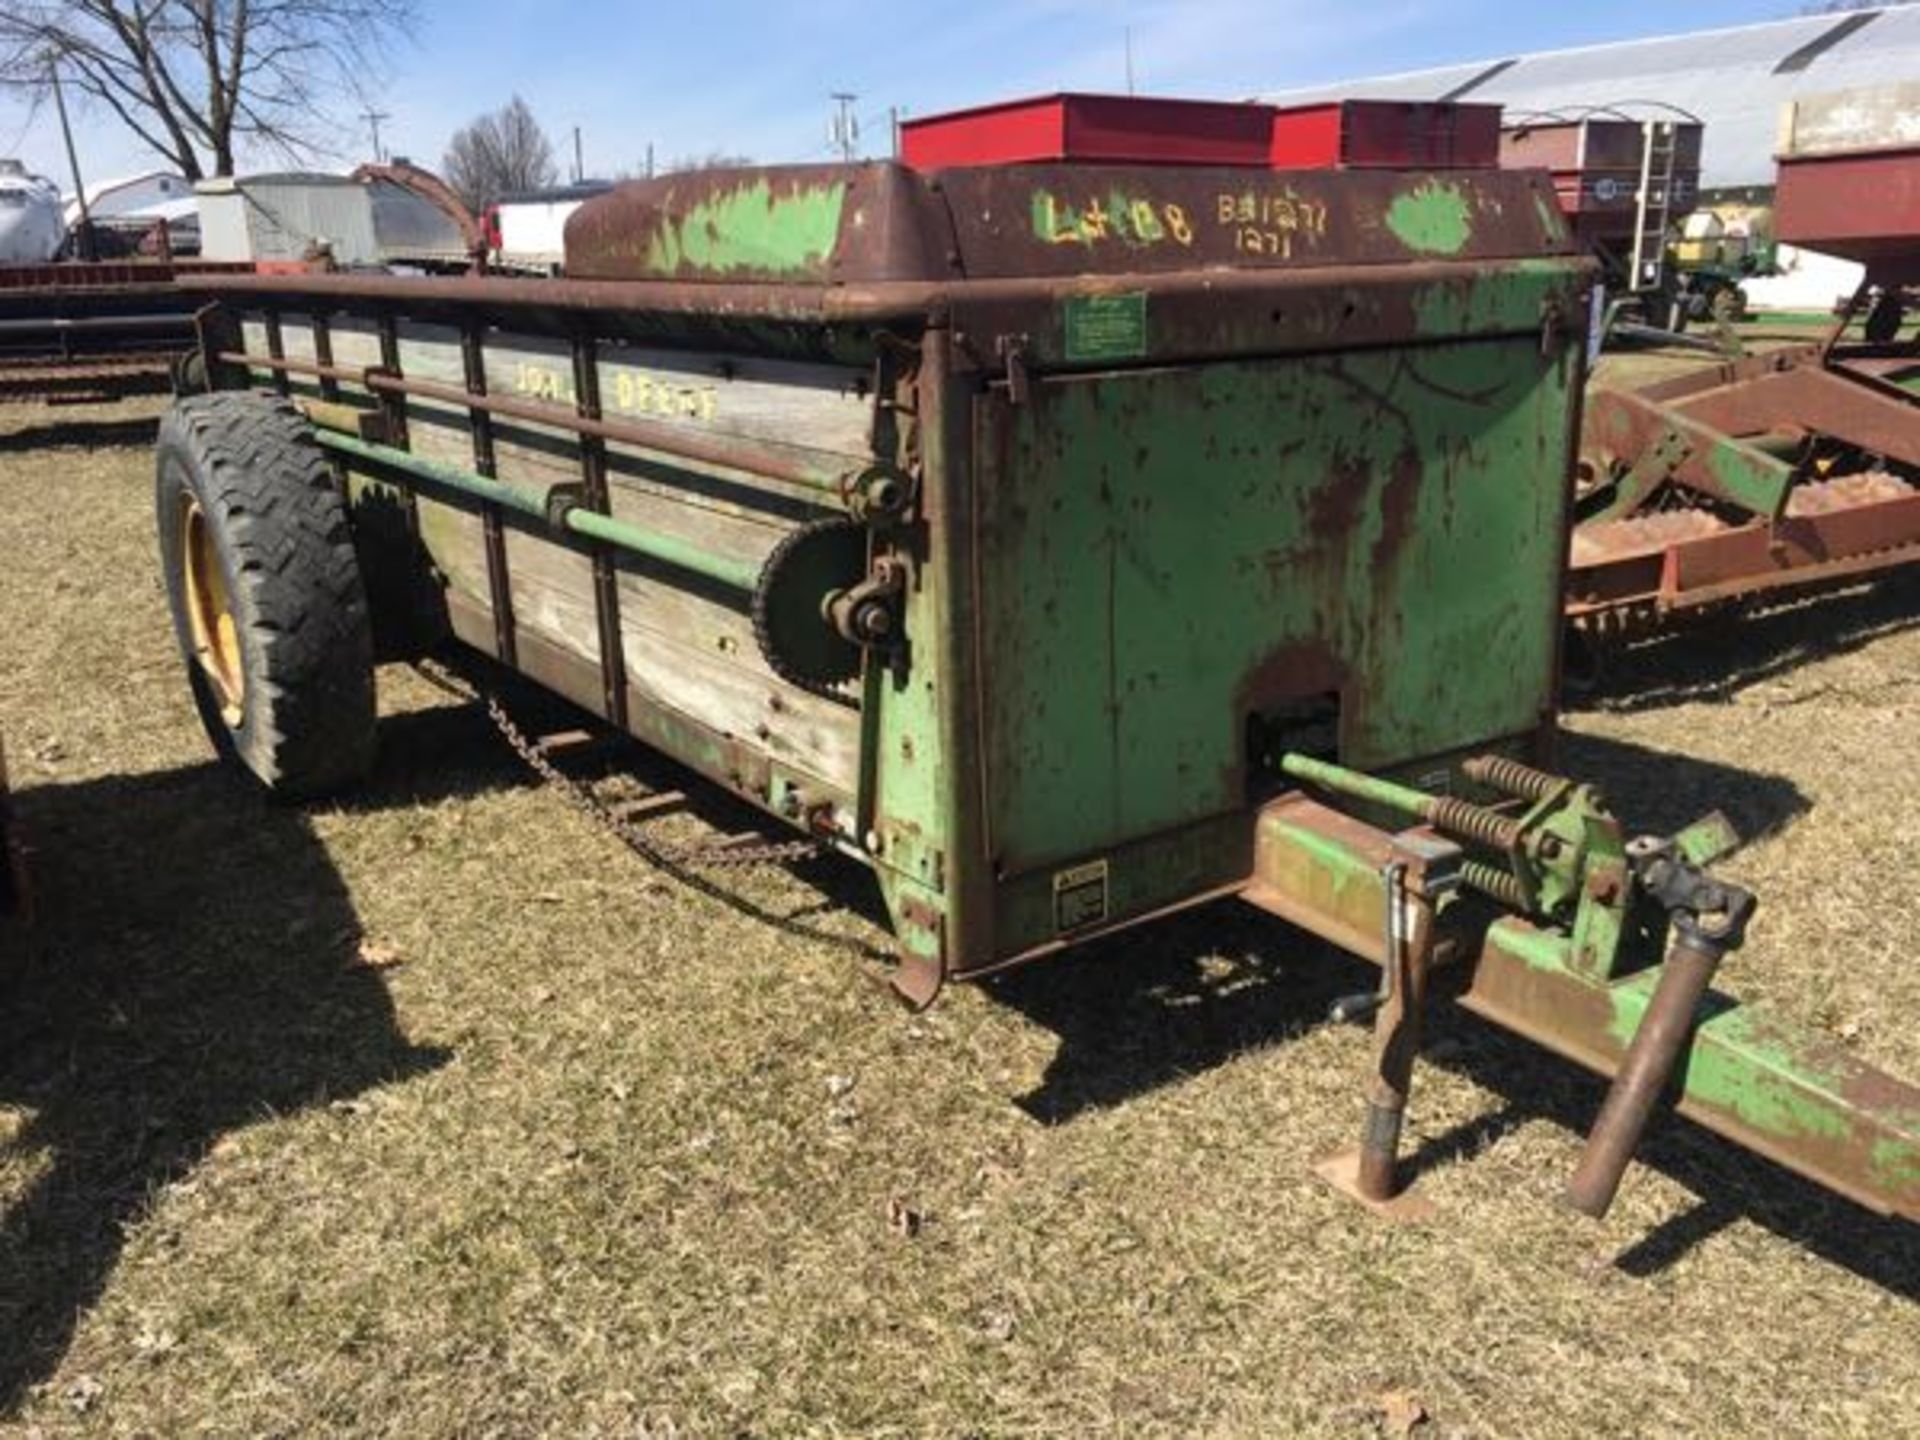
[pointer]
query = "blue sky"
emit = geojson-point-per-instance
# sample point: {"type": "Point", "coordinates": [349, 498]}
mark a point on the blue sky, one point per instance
{"type": "Point", "coordinates": [753, 78]}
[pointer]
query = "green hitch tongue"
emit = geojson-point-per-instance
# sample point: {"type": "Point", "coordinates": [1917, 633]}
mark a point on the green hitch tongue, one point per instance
{"type": "Point", "coordinates": [1585, 980]}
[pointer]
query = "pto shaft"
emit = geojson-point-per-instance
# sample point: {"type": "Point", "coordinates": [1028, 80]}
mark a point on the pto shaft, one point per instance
{"type": "Point", "coordinates": [1709, 918]}
{"type": "Point", "coordinates": [1643, 1074]}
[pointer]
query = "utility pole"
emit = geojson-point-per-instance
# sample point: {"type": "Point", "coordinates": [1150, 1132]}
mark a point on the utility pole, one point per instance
{"type": "Point", "coordinates": [373, 119]}
{"type": "Point", "coordinates": [649, 159]}
{"type": "Point", "coordinates": [579, 171]}
{"type": "Point", "coordinates": [1129, 59]}
{"type": "Point", "coordinates": [894, 114]}
{"type": "Point", "coordinates": [843, 129]}
{"type": "Point", "coordinates": [73, 160]}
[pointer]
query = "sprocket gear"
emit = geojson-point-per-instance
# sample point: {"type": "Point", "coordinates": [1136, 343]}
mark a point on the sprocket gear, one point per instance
{"type": "Point", "coordinates": [789, 621]}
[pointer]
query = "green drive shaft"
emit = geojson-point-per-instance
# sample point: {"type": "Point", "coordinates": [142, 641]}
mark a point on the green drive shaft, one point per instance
{"type": "Point", "coordinates": [1370, 788]}
{"type": "Point", "coordinates": [739, 575]}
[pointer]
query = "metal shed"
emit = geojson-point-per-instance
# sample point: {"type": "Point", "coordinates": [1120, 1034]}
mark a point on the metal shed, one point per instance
{"type": "Point", "coordinates": [1736, 79]}
{"type": "Point", "coordinates": [283, 216]}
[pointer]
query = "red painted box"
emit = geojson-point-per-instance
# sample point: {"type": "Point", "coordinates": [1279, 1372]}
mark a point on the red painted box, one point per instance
{"type": "Point", "coordinates": [1123, 129]}
{"type": "Point", "coordinates": [1861, 204]}
{"type": "Point", "coordinates": [1386, 135]}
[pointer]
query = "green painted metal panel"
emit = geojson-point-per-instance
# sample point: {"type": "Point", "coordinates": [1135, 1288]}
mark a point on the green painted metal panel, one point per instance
{"type": "Point", "coordinates": [752, 226]}
{"type": "Point", "coordinates": [1166, 553]}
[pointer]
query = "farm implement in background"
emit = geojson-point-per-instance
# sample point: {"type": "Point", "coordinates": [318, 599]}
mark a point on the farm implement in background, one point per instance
{"type": "Point", "coordinates": [1782, 470]}
{"type": "Point", "coordinates": [1626, 182]}
{"type": "Point", "coordinates": [77, 330]}
{"type": "Point", "coordinates": [1066, 539]}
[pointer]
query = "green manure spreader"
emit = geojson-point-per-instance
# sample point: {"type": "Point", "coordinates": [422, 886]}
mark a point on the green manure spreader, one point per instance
{"type": "Point", "coordinates": [1067, 542]}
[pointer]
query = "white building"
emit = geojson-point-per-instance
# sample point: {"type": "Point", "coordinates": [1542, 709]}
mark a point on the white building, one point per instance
{"type": "Point", "coordinates": [152, 195]}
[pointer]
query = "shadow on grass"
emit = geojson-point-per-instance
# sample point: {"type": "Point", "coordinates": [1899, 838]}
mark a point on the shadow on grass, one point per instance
{"type": "Point", "coordinates": [91, 434]}
{"type": "Point", "coordinates": [193, 971]}
{"type": "Point", "coordinates": [1155, 1006]}
{"type": "Point", "coordinates": [456, 749]}
{"type": "Point", "coordinates": [1731, 1184]}
{"type": "Point", "coordinates": [1715, 658]}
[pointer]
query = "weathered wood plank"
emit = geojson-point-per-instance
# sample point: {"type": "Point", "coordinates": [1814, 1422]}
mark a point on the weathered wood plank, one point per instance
{"type": "Point", "coordinates": [687, 646]}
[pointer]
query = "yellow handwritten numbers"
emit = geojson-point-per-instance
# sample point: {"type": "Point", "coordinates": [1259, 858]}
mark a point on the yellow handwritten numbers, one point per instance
{"type": "Point", "coordinates": [1270, 222]}
{"type": "Point", "coordinates": [634, 392]}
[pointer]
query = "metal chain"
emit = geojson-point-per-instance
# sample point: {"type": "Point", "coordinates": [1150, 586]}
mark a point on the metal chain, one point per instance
{"type": "Point", "coordinates": [707, 856]}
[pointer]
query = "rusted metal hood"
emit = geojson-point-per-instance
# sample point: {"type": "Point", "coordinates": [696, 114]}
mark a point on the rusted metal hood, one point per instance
{"type": "Point", "coordinates": [785, 224]}
{"type": "Point", "coordinates": [875, 223]}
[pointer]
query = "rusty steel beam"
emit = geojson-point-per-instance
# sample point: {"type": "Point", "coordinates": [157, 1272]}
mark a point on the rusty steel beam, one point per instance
{"type": "Point", "coordinates": [880, 301]}
{"type": "Point", "coordinates": [1624, 427]}
{"type": "Point", "coordinates": [595, 497]}
{"type": "Point", "coordinates": [1794, 1097]}
{"type": "Point", "coordinates": [1855, 408]}
{"type": "Point", "coordinates": [117, 275]}
{"type": "Point", "coordinates": [492, 522]}
{"type": "Point", "coordinates": [1873, 525]}
{"type": "Point", "coordinates": [1804, 1102]}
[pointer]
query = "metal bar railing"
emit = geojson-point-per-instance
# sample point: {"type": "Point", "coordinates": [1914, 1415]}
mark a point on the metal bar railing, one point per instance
{"type": "Point", "coordinates": [740, 575]}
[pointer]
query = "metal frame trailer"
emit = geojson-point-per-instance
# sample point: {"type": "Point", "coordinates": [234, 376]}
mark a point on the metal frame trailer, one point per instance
{"type": "Point", "coordinates": [76, 329]}
{"type": "Point", "coordinates": [1068, 544]}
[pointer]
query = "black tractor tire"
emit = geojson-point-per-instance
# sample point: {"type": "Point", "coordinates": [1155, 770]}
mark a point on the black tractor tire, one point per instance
{"type": "Point", "coordinates": [265, 590]}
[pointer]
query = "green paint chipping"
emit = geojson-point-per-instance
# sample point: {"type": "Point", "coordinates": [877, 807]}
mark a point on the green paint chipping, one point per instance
{"type": "Point", "coordinates": [1431, 218]}
{"type": "Point", "coordinates": [1769, 1087]}
{"type": "Point", "coordinates": [751, 228]}
{"type": "Point", "coordinates": [1339, 864]}
{"type": "Point", "coordinates": [1897, 1163]}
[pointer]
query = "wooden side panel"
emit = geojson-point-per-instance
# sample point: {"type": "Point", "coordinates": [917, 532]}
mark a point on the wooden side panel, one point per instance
{"type": "Point", "coordinates": [689, 644]}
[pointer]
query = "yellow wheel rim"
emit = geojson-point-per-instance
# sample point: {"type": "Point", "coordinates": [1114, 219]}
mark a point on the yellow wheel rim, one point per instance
{"type": "Point", "coordinates": [216, 639]}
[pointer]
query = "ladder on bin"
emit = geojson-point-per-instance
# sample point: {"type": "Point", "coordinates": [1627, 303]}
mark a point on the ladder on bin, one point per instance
{"type": "Point", "coordinates": [1659, 144]}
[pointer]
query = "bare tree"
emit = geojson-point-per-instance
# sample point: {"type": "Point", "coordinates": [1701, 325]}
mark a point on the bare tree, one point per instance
{"type": "Point", "coordinates": [195, 78]}
{"type": "Point", "coordinates": [685, 164]}
{"type": "Point", "coordinates": [712, 160]}
{"type": "Point", "coordinates": [498, 154]}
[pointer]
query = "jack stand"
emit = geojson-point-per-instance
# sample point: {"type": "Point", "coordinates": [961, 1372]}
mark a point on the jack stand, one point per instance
{"type": "Point", "coordinates": [1371, 1172]}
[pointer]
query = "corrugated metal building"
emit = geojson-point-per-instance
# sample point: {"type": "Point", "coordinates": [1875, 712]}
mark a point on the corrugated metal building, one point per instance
{"type": "Point", "coordinates": [1736, 80]}
{"type": "Point", "coordinates": [283, 217]}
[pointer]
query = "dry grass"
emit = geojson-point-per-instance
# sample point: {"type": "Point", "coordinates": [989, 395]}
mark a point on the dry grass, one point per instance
{"type": "Point", "coordinates": [582, 1152]}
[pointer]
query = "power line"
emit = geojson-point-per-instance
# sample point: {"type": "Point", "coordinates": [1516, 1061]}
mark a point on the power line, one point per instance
{"type": "Point", "coordinates": [73, 159]}
{"type": "Point", "coordinates": [843, 126]}
{"type": "Point", "coordinates": [861, 125]}
{"type": "Point", "coordinates": [373, 119]}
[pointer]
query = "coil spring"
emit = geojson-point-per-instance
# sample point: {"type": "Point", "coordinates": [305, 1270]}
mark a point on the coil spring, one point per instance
{"type": "Point", "coordinates": [1500, 773]}
{"type": "Point", "coordinates": [1492, 880]}
{"type": "Point", "coordinates": [1472, 822]}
